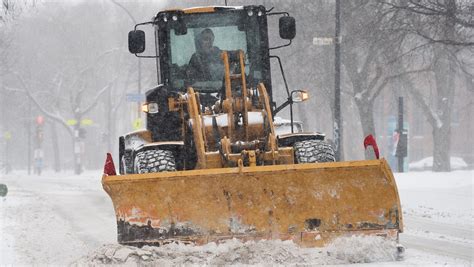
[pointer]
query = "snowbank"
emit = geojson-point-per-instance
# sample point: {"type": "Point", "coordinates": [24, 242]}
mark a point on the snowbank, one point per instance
{"type": "Point", "coordinates": [356, 249]}
{"type": "Point", "coordinates": [427, 164]}
{"type": "Point", "coordinates": [441, 196]}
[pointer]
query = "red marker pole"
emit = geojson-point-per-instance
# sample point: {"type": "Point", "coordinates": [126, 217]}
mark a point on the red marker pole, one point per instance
{"type": "Point", "coordinates": [109, 167]}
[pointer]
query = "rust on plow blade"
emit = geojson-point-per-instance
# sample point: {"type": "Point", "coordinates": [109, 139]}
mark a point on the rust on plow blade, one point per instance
{"type": "Point", "coordinates": [307, 203]}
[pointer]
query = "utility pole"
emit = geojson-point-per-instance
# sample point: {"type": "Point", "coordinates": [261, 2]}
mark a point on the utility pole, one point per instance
{"type": "Point", "coordinates": [28, 127]}
{"type": "Point", "coordinates": [109, 119]}
{"type": "Point", "coordinates": [400, 130]}
{"type": "Point", "coordinates": [402, 142]}
{"type": "Point", "coordinates": [38, 153]}
{"type": "Point", "coordinates": [338, 140]}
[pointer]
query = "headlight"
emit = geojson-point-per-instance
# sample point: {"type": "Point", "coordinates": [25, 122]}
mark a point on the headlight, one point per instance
{"type": "Point", "coordinates": [151, 108]}
{"type": "Point", "coordinates": [299, 95]}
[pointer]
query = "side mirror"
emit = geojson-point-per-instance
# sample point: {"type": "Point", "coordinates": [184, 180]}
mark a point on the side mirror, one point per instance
{"type": "Point", "coordinates": [136, 41]}
{"type": "Point", "coordinates": [287, 27]}
{"type": "Point", "coordinates": [299, 96]}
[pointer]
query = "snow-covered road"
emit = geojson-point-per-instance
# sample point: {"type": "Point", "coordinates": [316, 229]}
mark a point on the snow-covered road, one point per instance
{"type": "Point", "coordinates": [54, 218]}
{"type": "Point", "coordinates": [440, 238]}
{"type": "Point", "coordinates": [438, 212]}
{"type": "Point", "coordinates": [60, 218]}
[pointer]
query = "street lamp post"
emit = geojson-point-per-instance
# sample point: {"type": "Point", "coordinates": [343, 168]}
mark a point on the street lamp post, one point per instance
{"type": "Point", "coordinates": [338, 140]}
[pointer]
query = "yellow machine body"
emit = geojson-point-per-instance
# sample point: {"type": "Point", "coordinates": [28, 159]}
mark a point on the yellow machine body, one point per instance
{"type": "Point", "coordinates": [307, 203]}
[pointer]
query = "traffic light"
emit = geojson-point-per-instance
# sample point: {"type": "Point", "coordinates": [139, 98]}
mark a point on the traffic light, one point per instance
{"type": "Point", "coordinates": [39, 129]}
{"type": "Point", "coordinates": [39, 120]}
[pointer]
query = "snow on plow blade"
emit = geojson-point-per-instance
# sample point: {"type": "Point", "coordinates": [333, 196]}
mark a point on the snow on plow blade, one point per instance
{"type": "Point", "coordinates": [307, 203]}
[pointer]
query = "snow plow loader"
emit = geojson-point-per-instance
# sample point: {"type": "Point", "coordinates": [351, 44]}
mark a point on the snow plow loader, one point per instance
{"type": "Point", "coordinates": [209, 166]}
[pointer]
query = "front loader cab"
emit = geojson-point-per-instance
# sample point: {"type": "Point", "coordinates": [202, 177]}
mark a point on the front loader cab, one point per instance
{"type": "Point", "coordinates": [182, 62]}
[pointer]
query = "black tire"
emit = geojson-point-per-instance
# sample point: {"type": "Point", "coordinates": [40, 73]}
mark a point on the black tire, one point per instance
{"type": "Point", "coordinates": [154, 161]}
{"type": "Point", "coordinates": [312, 151]}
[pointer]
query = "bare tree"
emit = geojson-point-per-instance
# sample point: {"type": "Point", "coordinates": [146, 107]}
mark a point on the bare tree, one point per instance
{"type": "Point", "coordinates": [10, 11]}
{"type": "Point", "coordinates": [430, 20]}
{"type": "Point", "coordinates": [370, 49]}
{"type": "Point", "coordinates": [67, 71]}
{"type": "Point", "coordinates": [441, 32]}
{"type": "Point", "coordinates": [77, 109]}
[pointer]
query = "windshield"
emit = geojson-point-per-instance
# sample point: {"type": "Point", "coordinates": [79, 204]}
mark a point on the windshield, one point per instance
{"type": "Point", "coordinates": [195, 57]}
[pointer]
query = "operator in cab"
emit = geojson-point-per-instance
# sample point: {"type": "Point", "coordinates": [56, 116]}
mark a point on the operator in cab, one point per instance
{"type": "Point", "coordinates": [206, 63]}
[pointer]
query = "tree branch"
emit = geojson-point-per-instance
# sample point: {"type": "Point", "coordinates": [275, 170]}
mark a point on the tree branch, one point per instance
{"type": "Point", "coordinates": [392, 77]}
{"type": "Point", "coordinates": [50, 115]}
{"type": "Point", "coordinates": [96, 98]}
{"type": "Point", "coordinates": [444, 41]}
{"type": "Point", "coordinates": [425, 107]}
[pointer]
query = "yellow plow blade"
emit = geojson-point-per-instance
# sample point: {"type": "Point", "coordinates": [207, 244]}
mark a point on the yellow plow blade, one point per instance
{"type": "Point", "coordinates": [307, 203]}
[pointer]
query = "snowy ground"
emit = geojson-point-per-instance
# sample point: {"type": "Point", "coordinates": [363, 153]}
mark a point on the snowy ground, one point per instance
{"type": "Point", "coordinates": [62, 219]}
